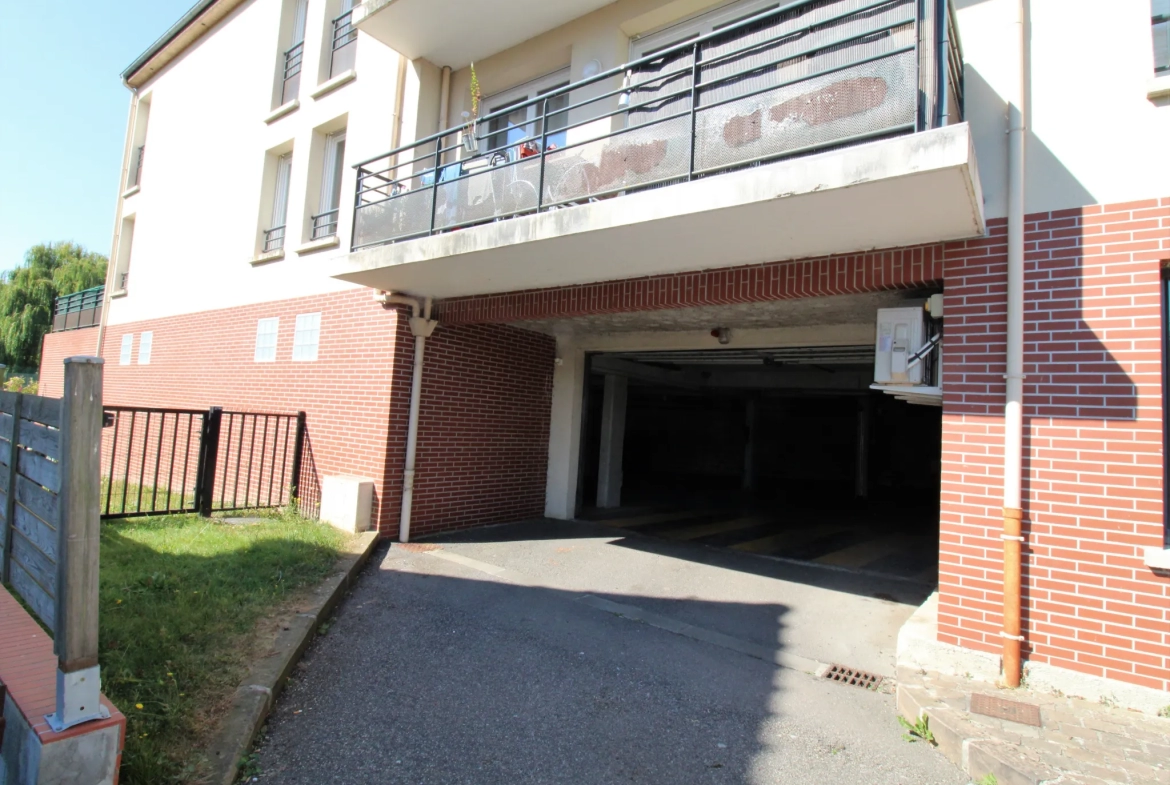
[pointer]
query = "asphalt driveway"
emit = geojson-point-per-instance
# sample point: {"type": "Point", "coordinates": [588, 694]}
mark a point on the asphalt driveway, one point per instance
{"type": "Point", "coordinates": [563, 653]}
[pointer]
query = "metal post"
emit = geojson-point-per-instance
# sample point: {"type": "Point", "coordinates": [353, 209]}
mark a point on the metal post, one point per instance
{"type": "Point", "coordinates": [943, 61]}
{"type": "Point", "coordinates": [543, 152]}
{"type": "Point", "coordinates": [75, 635]}
{"type": "Point", "coordinates": [208, 458]}
{"type": "Point", "coordinates": [10, 488]}
{"type": "Point", "coordinates": [694, 110]}
{"type": "Point", "coordinates": [435, 181]}
{"type": "Point", "coordinates": [918, 111]}
{"type": "Point", "coordinates": [294, 486]}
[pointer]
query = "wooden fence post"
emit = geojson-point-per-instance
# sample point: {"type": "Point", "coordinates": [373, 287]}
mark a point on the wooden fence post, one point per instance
{"type": "Point", "coordinates": [9, 481]}
{"type": "Point", "coordinates": [76, 631]}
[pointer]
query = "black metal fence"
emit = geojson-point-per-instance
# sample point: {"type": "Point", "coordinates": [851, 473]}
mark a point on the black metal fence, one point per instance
{"type": "Point", "coordinates": [166, 461]}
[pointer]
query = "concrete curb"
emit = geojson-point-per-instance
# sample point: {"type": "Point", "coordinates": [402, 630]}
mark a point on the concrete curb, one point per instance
{"type": "Point", "coordinates": [973, 749]}
{"type": "Point", "coordinates": [258, 692]}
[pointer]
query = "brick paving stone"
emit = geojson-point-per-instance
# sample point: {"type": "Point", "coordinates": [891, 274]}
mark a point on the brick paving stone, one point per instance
{"type": "Point", "coordinates": [1080, 742]}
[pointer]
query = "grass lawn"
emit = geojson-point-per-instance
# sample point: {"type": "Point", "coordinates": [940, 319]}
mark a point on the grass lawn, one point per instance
{"type": "Point", "coordinates": [185, 605]}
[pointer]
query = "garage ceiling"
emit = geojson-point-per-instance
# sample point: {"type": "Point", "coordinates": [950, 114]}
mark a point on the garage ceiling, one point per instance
{"type": "Point", "coordinates": [816, 355]}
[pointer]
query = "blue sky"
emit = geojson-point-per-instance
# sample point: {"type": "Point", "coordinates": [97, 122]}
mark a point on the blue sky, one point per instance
{"type": "Point", "coordinates": [64, 116]}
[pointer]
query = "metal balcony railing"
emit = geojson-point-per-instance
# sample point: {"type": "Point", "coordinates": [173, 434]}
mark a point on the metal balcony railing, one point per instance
{"type": "Point", "coordinates": [273, 239]}
{"type": "Point", "coordinates": [804, 77]}
{"type": "Point", "coordinates": [325, 224]}
{"type": "Point", "coordinates": [292, 72]}
{"type": "Point", "coordinates": [344, 44]}
{"type": "Point", "coordinates": [78, 310]}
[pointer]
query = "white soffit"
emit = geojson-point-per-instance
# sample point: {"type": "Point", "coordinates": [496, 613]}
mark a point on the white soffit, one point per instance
{"type": "Point", "coordinates": [909, 190]}
{"type": "Point", "coordinates": [455, 33]}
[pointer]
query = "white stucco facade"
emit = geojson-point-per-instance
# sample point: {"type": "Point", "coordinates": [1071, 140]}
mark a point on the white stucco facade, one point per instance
{"type": "Point", "coordinates": [212, 136]}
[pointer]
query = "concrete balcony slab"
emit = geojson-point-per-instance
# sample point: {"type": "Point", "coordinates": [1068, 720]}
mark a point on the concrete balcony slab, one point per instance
{"type": "Point", "coordinates": [901, 191]}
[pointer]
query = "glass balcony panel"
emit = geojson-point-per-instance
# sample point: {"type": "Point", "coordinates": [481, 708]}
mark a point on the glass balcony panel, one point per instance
{"type": "Point", "coordinates": [636, 157]}
{"type": "Point", "coordinates": [865, 99]}
{"type": "Point", "coordinates": [492, 192]}
{"type": "Point", "coordinates": [407, 215]}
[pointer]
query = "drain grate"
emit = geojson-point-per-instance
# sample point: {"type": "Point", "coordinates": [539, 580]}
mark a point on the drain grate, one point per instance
{"type": "Point", "coordinates": [417, 547]}
{"type": "Point", "coordinates": [853, 677]}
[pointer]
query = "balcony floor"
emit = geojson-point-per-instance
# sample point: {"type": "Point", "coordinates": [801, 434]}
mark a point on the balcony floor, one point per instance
{"type": "Point", "coordinates": [902, 191]}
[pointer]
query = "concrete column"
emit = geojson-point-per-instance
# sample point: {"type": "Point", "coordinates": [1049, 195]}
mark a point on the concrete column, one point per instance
{"type": "Point", "coordinates": [613, 439]}
{"type": "Point", "coordinates": [861, 484]}
{"type": "Point", "coordinates": [564, 437]}
{"type": "Point", "coordinates": [749, 450]}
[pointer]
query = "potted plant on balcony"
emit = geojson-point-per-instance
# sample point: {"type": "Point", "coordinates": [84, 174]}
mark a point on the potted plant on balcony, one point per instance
{"type": "Point", "coordinates": [471, 119]}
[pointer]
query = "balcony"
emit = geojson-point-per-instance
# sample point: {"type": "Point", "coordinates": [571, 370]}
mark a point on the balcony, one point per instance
{"type": "Point", "coordinates": [82, 309]}
{"type": "Point", "coordinates": [805, 131]}
{"type": "Point", "coordinates": [447, 33]}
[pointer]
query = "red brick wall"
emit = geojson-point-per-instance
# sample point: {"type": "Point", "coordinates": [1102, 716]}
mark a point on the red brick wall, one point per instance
{"type": "Point", "coordinates": [206, 359]}
{"type": "Point", "coordinates": [898, 268]}
{"type": "Point", "coordinates": [54, 349]}
{"type": "Point", "coordinates": [483, 436]}
{"type": "Point", "coordinates": [483, 427]}
{"type": "Point", "coordinates": [1093, 442]}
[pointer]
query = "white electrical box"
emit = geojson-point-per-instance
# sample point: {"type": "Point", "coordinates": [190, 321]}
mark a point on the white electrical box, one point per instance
{"type": "Point", "coordinates": [900, 333]}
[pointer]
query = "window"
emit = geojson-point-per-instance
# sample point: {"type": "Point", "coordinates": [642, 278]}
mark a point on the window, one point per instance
{"type": "Point", "coordinates": [266, 330]}
{"type": "Point", "coordinates": [145, 344]}
{"type": "Point", "coordinates": [138, 143]}
{"type": "Point", "coordinates": [325, 222]}
{"type": "Point", "coordinates": [1161, 19]}
{"type": "Point", "coordinates": [274, 235]}
{"type": "Point", "coordinates": [525, 123]}
{"type": "Point", "coordinates": [127, 349]}
{"type": "Point", "coordinates": [344, 40]}
{"type": "Point", "coordinates": [308, 333]}
{"type": "Point", "coordinates": [294, 55]}
{"type": "Point", "coordinates": [125, 246]}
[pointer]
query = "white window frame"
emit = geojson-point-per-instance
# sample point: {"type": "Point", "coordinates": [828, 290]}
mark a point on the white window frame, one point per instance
{"type": "Point", "coordinates": [127, 354]}
{"type": "Point", "coordinates": [695, 26]}
{"type": "Point", "coordinates": [308, 325]}
{"type": "Point", "coordinates": [145, 347]}
{"type": "Point", "coordinates": [280, 195]}
{"type": "Point", "coordinates": [332, 172]}
{"type": "Point", "coordinates": [265, 352]}
{"type": "Point", "coordinates": [523, 92]}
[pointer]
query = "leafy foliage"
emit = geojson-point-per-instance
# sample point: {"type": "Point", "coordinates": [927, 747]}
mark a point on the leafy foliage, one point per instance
{"type": "Point", "coordinates": [21, 385]}
{"type": "Point", "coordinates": [916, 731]}
{"type": "Point", "coordinates": [28, 292]}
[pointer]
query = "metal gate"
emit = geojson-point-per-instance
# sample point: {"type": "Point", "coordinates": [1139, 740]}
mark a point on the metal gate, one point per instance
{"type": "Point", "coordinates": [167, 461]}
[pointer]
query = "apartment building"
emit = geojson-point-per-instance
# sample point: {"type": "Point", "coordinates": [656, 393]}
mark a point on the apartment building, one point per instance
{"type": "Point", "coordinates": [875, 284]}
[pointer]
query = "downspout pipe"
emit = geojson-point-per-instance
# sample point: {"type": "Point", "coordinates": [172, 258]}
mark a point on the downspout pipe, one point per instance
{"type": "Point", "coordinates": [421, 326]}
{"type": "Point", "coordinates": [1013, 539]}
{"type": "Point", "coordinates": [444, 102]}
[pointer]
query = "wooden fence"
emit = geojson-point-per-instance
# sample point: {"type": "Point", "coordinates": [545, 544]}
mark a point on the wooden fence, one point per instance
{"type": "Point", "coordinates": [50, 468]}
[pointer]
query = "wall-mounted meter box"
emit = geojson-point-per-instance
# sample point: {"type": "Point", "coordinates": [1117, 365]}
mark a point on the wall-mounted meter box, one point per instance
{"type": "Point", "coordinates": [900, 333]}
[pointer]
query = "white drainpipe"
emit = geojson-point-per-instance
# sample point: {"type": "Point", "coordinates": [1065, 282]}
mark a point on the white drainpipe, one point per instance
{"type": "Point", "coordinates": [1014, 400]}
{"type": "Point", "coordinates": [421, 327]}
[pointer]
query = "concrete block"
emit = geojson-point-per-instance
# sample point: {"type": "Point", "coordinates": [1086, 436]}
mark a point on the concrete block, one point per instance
{"type": "Point", "coordinates": [346, 502]}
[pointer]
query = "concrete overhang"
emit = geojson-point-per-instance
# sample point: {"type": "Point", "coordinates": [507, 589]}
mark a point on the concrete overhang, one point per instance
{"type": "Point", "coordinates": [904, 191]}
{"type": "Point", "coordinates": [448, 32]}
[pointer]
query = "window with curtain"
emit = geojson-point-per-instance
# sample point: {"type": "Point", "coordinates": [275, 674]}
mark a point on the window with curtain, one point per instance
{"type": "Point", "coordinates": [325, 222]}
{"type": "Point", "coordinates": [526, 123]}
{"type": "Point", "coordinates": [1161, 20]}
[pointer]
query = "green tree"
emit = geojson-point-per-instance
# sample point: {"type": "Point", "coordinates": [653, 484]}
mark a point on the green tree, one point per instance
{"type": "Point", "coordinates": [27, 296]}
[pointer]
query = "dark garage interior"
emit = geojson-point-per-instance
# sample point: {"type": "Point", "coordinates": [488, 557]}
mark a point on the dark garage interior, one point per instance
{"type": "Point", "coordinates": [784, 453]}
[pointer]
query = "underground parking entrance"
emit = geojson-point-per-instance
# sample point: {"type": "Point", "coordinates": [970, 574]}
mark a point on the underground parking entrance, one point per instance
{"type": "Point", "coordinates": [783, 452]}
